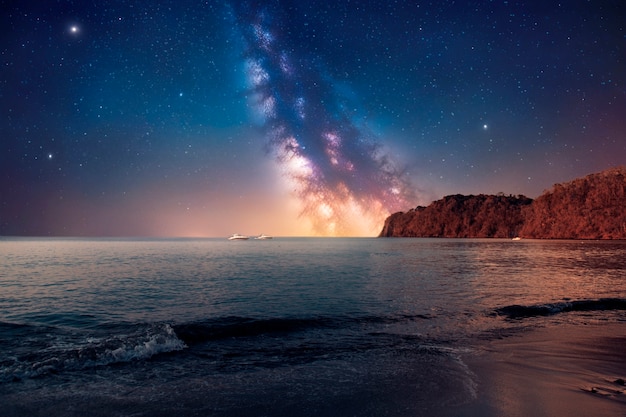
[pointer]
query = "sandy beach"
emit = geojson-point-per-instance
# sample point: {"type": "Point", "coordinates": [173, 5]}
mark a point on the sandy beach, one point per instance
{"type": "Point", "coordinates": [570, 370]}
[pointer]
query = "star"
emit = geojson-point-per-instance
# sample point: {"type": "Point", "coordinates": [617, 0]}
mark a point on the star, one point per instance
{"type": "Point", "coordinates": [345, 125]}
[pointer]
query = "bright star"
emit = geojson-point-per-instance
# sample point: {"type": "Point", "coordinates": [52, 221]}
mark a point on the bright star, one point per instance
{"type": "Point", "coordinates": [74, 29]}
{"type": "Point", "coordinates": [485, 127]}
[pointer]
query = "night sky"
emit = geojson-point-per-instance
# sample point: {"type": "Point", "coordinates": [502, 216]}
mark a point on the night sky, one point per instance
{"type": "Point", "coordinates": [206, 118]}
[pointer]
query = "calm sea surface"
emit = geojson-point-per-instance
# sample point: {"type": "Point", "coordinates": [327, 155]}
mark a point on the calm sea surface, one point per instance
{"type": "Point", "coordinates": [289, 326]}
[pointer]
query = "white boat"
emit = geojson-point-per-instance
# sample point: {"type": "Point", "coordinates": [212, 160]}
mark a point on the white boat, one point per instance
{"type": "Point", "coordinates": [517, 238]}
{"type": "Point", "coordinates": [263, 237]}
{"type": "Point", "coordinates": [237, 236]}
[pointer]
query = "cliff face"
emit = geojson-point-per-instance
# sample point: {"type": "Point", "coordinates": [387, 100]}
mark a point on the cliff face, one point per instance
{"type": "Point", "coordinates": [460, 216]}
{"type": "Point", "coordinates": [593, 207]}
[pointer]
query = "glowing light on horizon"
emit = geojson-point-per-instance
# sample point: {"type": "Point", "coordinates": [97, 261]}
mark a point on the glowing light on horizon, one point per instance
{"type": "Point", "coordinates": [343, 180]}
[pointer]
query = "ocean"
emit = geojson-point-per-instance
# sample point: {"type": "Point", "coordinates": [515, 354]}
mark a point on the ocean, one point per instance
{"type": "Point", "coordinates": [296, 326]}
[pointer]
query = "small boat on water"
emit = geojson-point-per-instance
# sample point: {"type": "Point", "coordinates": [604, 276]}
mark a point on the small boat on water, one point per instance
{"type": "Point", "coordinates": [237, 236]}
{"type": "Point", "coordinates": [517, 238]}
{"type": "Point", "coordinates": [263, 237]}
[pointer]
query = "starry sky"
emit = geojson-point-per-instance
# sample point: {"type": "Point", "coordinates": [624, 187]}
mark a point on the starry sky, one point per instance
{"type": "Point", "coordinates": [296, 118]}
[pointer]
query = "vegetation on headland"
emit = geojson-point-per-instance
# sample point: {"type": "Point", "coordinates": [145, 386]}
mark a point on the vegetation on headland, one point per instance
{"type": "Point", "coordinates": [593, 207]}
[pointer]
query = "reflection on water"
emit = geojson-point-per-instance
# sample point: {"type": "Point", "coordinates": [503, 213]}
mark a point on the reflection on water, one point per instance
{"type": "Point", "coordinates": [233, 326]}
{"type": "Point", "coordinates": [157, 280]}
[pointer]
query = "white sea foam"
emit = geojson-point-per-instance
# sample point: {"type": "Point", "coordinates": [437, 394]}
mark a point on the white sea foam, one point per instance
{"type": "Point", "coordinates": [144, 347]}
{"type": "Point", "coordinates": [64, 356]}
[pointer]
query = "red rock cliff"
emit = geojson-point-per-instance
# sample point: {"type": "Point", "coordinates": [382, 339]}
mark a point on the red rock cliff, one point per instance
{"type": "Point", "coordinates": [593, 207]}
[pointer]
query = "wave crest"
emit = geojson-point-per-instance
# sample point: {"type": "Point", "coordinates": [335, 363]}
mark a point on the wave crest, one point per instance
{"type": "Point", "coordinates": [517, 311]}
{"type": "Point", "coordinates": [70, 355]}
{"type": "Point", "coordinates": [236, 327]}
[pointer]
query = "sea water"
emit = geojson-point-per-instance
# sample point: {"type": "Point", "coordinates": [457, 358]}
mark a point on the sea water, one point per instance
{"type": "Point", "coordinates": [281, 327]}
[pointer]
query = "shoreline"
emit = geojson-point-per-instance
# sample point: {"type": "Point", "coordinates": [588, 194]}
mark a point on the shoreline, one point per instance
{"type": "Point", "coordinates": [567, 370]}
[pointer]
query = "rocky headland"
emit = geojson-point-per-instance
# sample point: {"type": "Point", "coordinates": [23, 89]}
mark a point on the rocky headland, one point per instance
{"type": "Point", "coordinates": [592, 207]}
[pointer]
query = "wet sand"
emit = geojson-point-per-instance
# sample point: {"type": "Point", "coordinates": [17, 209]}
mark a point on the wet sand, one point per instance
{"type": "Point", "coordinates": [569, 370]}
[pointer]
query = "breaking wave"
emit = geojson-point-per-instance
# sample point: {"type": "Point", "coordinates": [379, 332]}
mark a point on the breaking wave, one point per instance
{"type": "Point", "coordinates": [517, 311]}
{"type": "Point", "coordinates": [236, 343]}
{"type": "Point", "coordinates": [62, 352]}
{"type": "Point", "coordinates": [241, 327]}
{"type": "Point", "coordinates": [42, 350]}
